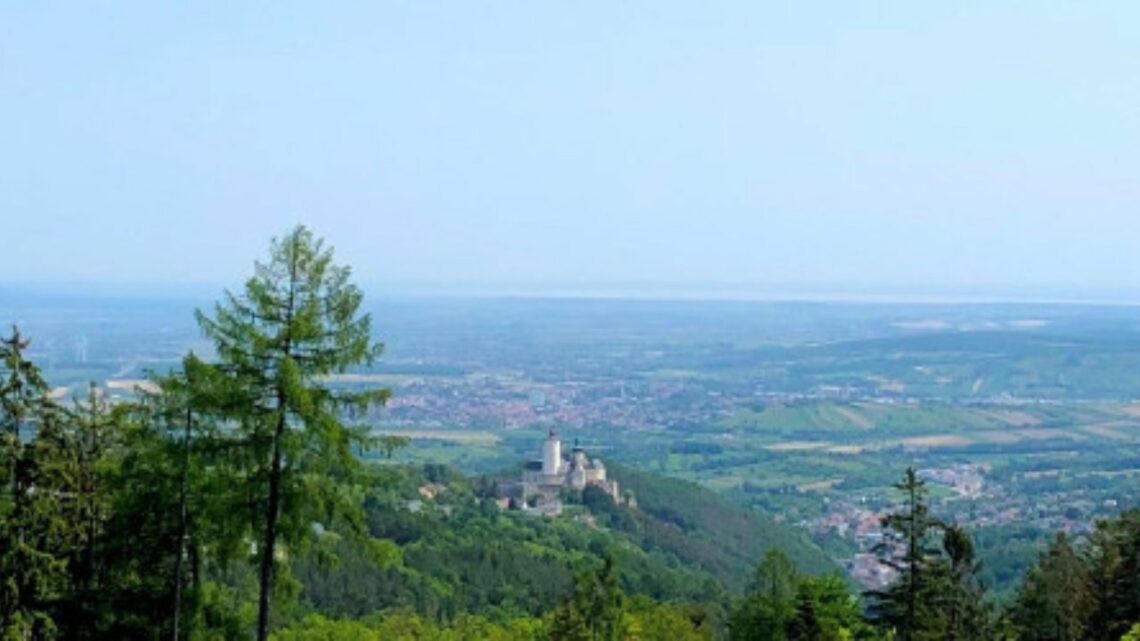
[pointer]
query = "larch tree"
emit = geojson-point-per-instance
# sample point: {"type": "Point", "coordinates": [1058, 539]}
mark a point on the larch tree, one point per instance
{"type": "Point", "coordinates": [296, 322]}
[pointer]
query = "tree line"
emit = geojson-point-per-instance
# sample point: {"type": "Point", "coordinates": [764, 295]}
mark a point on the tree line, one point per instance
{"type": "Point", "coordinates": [1085, 592]}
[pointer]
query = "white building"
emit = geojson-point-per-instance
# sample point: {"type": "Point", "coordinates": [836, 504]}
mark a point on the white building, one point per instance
{"type": "Point", "coordinates": [544, 479]}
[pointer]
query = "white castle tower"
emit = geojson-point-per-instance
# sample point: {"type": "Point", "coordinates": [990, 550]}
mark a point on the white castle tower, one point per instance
{"type": "Point", "coordinates": [552, 455]}
{"type": "Point", "coordinates": [543, 480]}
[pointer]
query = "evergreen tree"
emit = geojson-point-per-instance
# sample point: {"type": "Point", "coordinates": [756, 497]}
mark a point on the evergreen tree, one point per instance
{"type": "Point", "coordinates": [826, 611]}
{"type": "Point", "coordinates": [967, 618]}
{"type": "Point", "coordinates": [23, 399]}
{"type": "Point", "coordinates": [1114, 575]}
{"type": "Point", "coordinates": [595, 612]}
{"type": "Point", "coordinates": [1055, 600]}
{"type": "Point", "coordinates": [176, 508]}
{"type": "Point", "coordinates": [32, 532]}
{"type": "Point", "coordinates": [913, 606]}
{"type": "Point", "coordinates": [79, 470]}
{"type": "Point", "coordinates": [140, 543]}
{"type": "Point", "coordinates": [186, 414]}
{"type": "Point", "coordinates": [296, 322]}
{"type": "Point", "coordinates": [770, 603]}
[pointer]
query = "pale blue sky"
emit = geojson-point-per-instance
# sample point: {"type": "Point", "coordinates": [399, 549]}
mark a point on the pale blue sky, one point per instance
{"type": "Point", "coordinates": [962, 144]}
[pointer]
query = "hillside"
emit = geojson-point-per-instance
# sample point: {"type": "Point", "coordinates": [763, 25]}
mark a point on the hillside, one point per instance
{"type": "Point", "coordinates": [460, 552]}
{"type": "Point", "coordinates": [709, 532]}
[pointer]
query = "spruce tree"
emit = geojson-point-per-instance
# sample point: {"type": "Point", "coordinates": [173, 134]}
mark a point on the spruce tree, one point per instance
{"type": "Point", "coordinates": [967, 618]}
{"type": "Point", "coordinates": [185, 413]}
{"type": "Point", "coordinates": [32, 571]}
{"type": "Point", "coordinates": [770, 603]}
{"type": "Point", "coordinates": [23, 397]}
{"type": "Point", "coordinates": [296, 322]}
{"type": "Point", "coordinates": [77, 465]}
{"type": "Point", "coordinates": [1114, 575]}
{"type": "Point", "coordinates": [173, 497]}
{"type": "Point", "coordinates": [595, 612]}
{"type": "Point", "coordinates": [827, 611]}
{"type": "Point", "coordinates": [1055, 600]}
{"type": "Point", "coordinates": [911, 607]}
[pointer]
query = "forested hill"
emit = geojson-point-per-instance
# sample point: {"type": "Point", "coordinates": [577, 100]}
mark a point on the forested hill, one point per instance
{"type": "Point", "coordinates": [709, 532]}
{"type": "Point", "coordinates": [460, 552]}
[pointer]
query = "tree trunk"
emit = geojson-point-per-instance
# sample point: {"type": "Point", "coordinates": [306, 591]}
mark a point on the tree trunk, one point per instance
{"type": "Point", "coordinates": [270, 543]}
{"type": "Point", "coordinates": [274, 507]}
{"type": "Point", "coordinates": [183, 481]}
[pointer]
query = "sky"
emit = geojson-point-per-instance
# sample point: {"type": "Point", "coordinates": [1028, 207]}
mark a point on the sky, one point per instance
{"type": "Point", "coordinates": [841, 146]}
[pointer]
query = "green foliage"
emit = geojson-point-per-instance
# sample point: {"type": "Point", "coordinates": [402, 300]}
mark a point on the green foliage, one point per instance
{"type": "Point", "coordinates": [770, 603]}
{"type": "Point", "coordinates": [57, 505]}
{"type": "Point", "coordinates": [1091, 592]}
{"type": "Point", "coordinates": [1115, 569]}
{"type": "Point", "coordinates": [389, 443]}
{"type": "Point", "coordinates": [703, 529]}
{"type": "Point", "coordinates": [937, 594]}
{"type": "Point", "coordinates": [826, 611]}
{"type": "Point", "coordinates": [639, 621]}
{"type": "Point", "coordinates": [296, 321]}
{"type": "Point", "coordinates": [140, 520]}
{"type": "Point", "coordinates": [32, 566]}
{"type": "Point", "coordinates": [662, 622]}
{"type": "Point", "coordinates": [968, 614]}
{"type": "Point", "coordinates": [782, 605]}
{"type": "Point", "coordinates": [1056, 599]}
{"type": "Point", "coordinates": [403, 626]}
{"type": "Point", "coordinates": [461, 552]}
{"type": "Point", "coordinates": [595, 612]}
{"type": "Point", "coordinates": [910, 606]}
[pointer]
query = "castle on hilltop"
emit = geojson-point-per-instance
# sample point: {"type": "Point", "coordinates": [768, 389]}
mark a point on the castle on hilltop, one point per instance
{"type": "Point", "coordinates": [543, 480]}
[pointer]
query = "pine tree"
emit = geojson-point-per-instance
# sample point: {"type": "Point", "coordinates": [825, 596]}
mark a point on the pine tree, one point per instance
{"type": "Point", "coordinates": [296, 322]}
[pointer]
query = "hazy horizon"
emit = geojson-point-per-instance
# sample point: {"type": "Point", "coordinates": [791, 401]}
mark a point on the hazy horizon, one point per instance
{"type": "Point", "coordinates": [202, 293]}
{"type": "Point", "coordinates": [845, 149]}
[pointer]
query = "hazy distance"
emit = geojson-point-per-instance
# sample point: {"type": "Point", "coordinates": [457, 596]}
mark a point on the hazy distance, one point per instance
{"type": "Point", "coordinates": [840, 149]}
